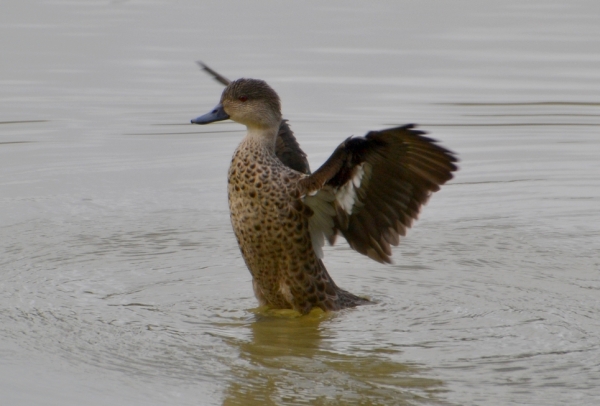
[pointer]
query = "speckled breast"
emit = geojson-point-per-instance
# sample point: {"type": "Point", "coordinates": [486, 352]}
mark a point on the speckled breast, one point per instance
{"type": "Point", "coordinates": [267, 219]}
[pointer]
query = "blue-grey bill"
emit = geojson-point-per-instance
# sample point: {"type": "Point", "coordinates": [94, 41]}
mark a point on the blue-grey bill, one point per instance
{"type": "Point", "coordinates": [217, 114]}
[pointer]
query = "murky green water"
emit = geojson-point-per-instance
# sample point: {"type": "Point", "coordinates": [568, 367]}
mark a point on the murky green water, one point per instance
{"type": "Point", "coordinates": [120, 279]}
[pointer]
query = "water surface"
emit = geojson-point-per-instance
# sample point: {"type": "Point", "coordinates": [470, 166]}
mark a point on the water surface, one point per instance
{"type": "Point", "coordinates": [120, 279]}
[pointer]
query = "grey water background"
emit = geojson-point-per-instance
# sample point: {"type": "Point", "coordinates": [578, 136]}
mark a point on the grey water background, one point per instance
{"type": "Point", "coordinates": [120, 279]}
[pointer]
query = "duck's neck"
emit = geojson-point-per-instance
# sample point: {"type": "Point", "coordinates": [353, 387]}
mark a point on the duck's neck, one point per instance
{"type": "Point", "coordinates": [263, 137]}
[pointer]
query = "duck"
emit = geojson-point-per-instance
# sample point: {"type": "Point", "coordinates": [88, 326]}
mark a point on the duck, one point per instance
{"type": "Point", "coordinates": [370, 190]}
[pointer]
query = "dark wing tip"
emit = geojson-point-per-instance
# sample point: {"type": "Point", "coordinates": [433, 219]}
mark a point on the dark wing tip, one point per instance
{"type": "Point", "coordinates": [216, 76]}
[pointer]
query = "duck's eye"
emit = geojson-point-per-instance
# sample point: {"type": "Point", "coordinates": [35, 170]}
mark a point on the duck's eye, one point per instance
{"type": "Point", "coordinates": [243, 98]}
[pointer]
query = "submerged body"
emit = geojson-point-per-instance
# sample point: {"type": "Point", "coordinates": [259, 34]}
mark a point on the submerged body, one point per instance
{"type": "Point", "coordinates": [369, 191]}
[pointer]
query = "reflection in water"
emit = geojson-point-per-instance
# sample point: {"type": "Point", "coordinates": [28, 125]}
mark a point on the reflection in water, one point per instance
{"type": "Point", "coordinates": [290, 361]}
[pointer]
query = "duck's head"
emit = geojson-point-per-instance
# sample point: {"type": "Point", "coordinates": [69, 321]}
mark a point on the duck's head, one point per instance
{"type": "Point", "coordinates": [247, 101]}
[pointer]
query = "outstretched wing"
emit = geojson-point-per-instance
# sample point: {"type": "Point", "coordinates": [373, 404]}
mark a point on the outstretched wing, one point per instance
{"type": "Point", "coordinates": [371, 189]}
{"type": "Point", "coordinates": [287, 149]}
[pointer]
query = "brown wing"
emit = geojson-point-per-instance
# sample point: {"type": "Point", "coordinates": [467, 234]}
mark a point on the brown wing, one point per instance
{"type": "Point", "coordinates": [380, 182]}
{"type": "Point", "coordinates": [287, 149]}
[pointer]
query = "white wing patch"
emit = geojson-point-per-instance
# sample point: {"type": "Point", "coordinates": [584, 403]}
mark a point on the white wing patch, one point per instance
{"type": "Point", "coordinates": [320, 224]}
{"type": "Point", "coordinates": [346, 194]}
{"type": "Point", "coordinates": [323, 204]}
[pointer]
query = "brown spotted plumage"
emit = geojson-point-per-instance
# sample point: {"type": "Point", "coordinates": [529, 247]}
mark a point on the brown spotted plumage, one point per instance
{"type": "Point", "coordinates": [370, 190]}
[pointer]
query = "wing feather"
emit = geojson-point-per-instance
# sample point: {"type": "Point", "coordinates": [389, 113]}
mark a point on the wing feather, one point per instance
{"type": "Point", "coordinates": [380, 181]}
{"type": "Point", "coordinates": [288, 150]}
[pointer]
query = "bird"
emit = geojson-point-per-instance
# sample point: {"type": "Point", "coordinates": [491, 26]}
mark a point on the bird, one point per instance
{"type": "Point", "coordinates": [370, 190]}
